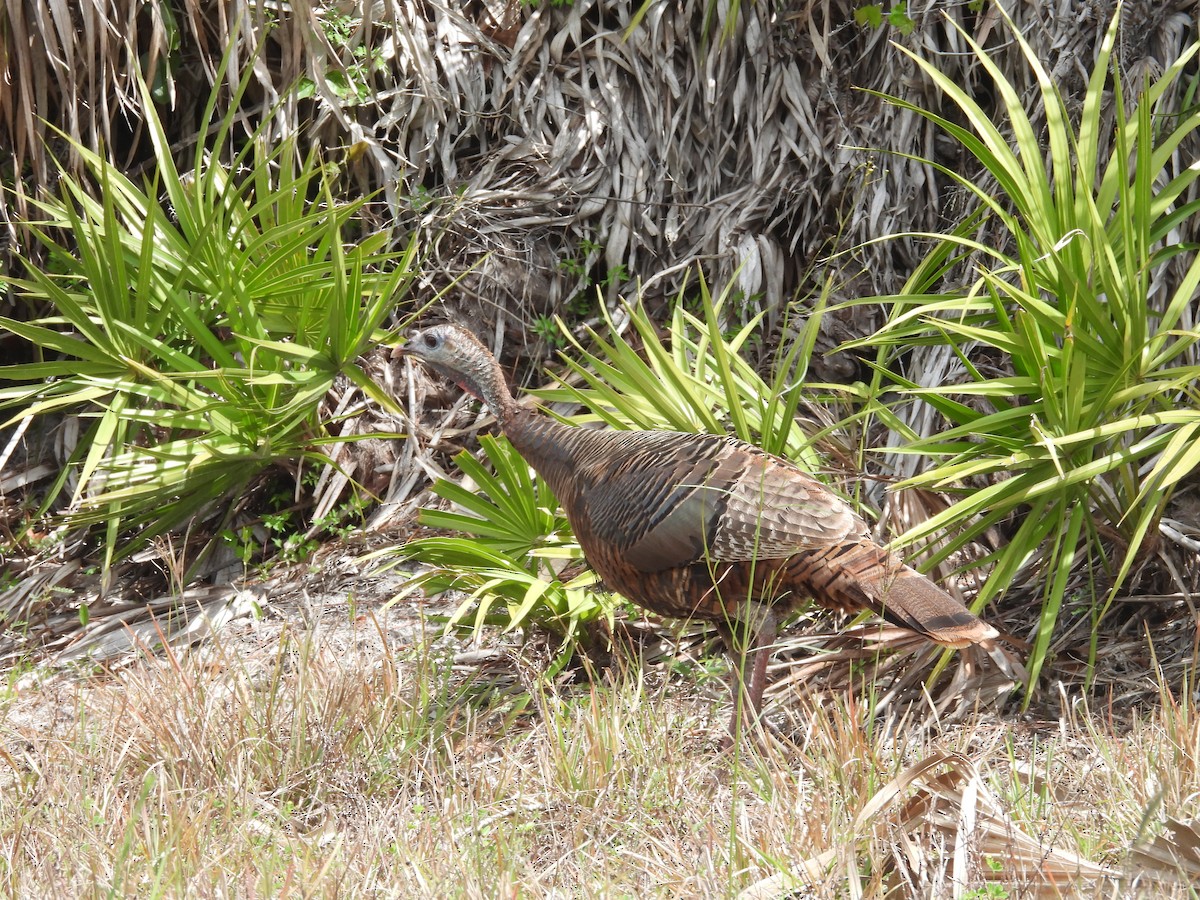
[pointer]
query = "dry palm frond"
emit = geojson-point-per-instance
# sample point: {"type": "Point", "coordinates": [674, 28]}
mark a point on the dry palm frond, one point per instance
{"type": "Point", "coordinates": [1172, 856]}
{"type": "Point", "coordinates": [944, 832]}
{"type": "Point", "coordinates": [552, 141]}
{"type": "Point", "coordinates": [558, 144]}
{"type": "Point", "coordinates": [72, 68]}
{"type": "Point", "coordinates": [897, 664]}
{"type": "Point", "coordinates": [58, 610]}
{"type": "Point", "coordinates": [172, 619]}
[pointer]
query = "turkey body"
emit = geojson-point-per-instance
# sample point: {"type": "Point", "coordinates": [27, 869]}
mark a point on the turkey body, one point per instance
{"type": "Point", "coordinates": [706, 526]}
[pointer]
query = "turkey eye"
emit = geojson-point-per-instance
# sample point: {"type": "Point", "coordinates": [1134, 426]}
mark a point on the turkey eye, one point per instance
{"type": "Point", "coordinates": [429, 341]}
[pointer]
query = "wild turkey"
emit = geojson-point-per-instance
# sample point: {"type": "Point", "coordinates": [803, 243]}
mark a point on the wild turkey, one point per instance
{"type": "Point", "coordinates": [705, 526]}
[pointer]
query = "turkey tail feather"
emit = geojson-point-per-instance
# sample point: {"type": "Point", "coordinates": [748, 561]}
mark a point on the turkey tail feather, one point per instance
{"type": "Point", "coordinates": [862, 575]}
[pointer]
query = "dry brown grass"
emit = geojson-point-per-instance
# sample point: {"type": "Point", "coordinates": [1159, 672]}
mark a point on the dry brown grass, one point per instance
{"type": "Point", "coordinates": [356, 761]}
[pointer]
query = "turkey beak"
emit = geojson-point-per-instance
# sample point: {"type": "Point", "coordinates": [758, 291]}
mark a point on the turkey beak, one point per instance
{"type": "Point", "coordinates": [399, 352]}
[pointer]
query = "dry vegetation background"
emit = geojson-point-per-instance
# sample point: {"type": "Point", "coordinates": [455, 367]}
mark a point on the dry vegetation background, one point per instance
{"type": "Point", "coordinates": [535, 147]}
{"type": "Point", "coordinates": [315, 741]}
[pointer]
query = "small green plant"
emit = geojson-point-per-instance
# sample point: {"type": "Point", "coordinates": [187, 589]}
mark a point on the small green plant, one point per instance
{"type": "Point", "coordinates": [243, 543]}
{"type": "Point", "coordinates": [420, 199]}
{"type": "Point", "coordinates": [547, 331]}
{"type": "Point", "coordinates": [991, 891]}
{"type": "Point", "coordinates": [574, 266]}
{"type": "Point", "coordinates": [351, 81]}
{"type": "Point", "coordinates": [615, 275]}
{"type": "Point", "coordinates": [580, 267]}
{"type": "Point", "coordinates": [346, 518]}
{"type": "Point", "coordinates": [286, 537]}
{"type": "Point", "coordinates": [873, 15]}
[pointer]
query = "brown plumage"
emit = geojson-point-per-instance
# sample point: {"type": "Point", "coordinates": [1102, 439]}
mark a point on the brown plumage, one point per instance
{"type": "Point", "coordinates": [704, 526]}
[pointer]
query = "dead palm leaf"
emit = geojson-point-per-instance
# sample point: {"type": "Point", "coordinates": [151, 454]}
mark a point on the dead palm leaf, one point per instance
{"type": "Point", "coordinates": [944, 832]}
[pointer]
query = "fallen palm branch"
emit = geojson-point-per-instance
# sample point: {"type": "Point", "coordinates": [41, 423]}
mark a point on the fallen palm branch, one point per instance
{"type": "Point", "coordinates": [895, 666]}
{"type": "Point", "coordinates": [944, 832]}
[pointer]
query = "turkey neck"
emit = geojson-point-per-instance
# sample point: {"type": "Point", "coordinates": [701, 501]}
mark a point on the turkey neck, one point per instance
{"type": "Point", "coordinates": [554, 449]}
{"type": "Point", "coordinates": [558, 452]}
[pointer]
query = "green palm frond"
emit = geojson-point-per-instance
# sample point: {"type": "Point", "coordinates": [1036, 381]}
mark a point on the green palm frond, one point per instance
{"type": "Point", "coordinates": [193, 335]}
{"type": "Point", "coordinates": [1087, 299]}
